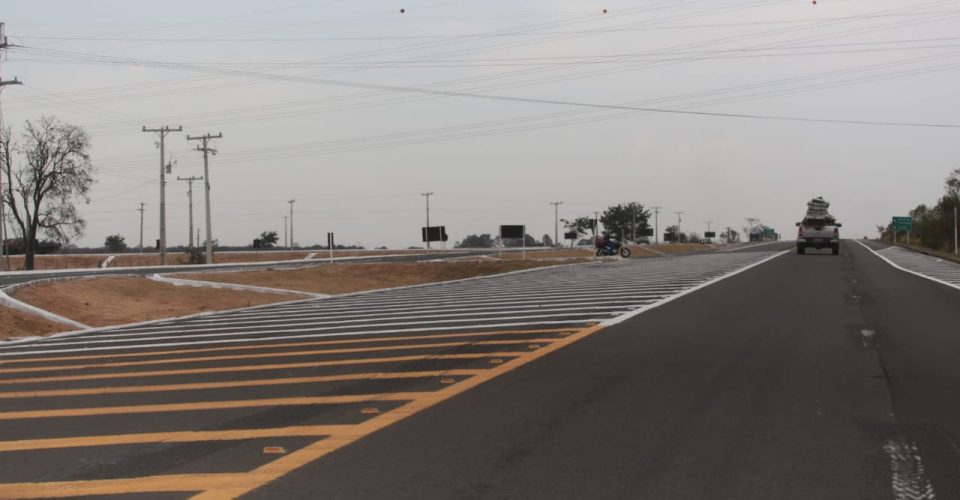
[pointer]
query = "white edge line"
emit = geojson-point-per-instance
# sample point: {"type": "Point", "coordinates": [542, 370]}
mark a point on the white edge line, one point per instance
{"type": "Point", "coordinates": [643, 309]}
{"type": "Point", "coordinates": [915, 273]}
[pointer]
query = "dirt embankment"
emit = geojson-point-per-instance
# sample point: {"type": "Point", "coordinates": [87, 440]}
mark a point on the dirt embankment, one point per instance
{"type": "Point", "coordinates": [15, 323]}
{"type": "Point", "coordinates": [113, 301]}
{"type": "Point", "coordinates": [346, 278]}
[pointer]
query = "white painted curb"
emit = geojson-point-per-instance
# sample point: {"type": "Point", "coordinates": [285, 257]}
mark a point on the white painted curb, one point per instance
{"type": "Point", "coordinates": [232, 286]}
{"type": "Point", "coordinates": [23, 306]}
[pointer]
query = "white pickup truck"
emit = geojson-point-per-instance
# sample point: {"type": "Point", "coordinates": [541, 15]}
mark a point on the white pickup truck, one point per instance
{"type": "Point", "coordinates": [818, 233]}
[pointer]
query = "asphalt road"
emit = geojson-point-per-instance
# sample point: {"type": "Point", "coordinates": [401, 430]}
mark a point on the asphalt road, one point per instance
{"type": "Point", "coordinates": [813, 376]}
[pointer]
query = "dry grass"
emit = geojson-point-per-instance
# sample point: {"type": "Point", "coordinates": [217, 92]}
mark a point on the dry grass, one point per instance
{"type": "Point", "coordinates": [15, 323]}
{"type": "Point", "coordinates": [560, 253]}
{"type": "Point", "coordinates": [346, 278]}
{"type": "Point", "coordinates": [113, 301]}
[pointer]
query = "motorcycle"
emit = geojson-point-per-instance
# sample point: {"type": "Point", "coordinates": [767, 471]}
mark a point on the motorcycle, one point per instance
{"type": "Point", "coordinates": [612, 248]}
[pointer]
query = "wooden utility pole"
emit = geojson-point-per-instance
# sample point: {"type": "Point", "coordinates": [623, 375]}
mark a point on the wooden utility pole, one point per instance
{"type": "Point", "coordinates": [162, 132]}
{"type": "Point", "coordinates": [3, 217]}
{"type": "Point", "coordinates": [207, 151]}
{"type": "Point", "coordinates": [141, 226]}
{"type": "Point", "coordinates": [190, 205]}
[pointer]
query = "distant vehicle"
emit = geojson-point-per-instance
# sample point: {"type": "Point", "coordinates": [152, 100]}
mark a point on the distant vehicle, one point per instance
{"type": "Point", "coordinates": [643, 240]}
{"type": "Point", "coordinates": [607, 246]}
{"type": "Point", "coordinates": [818, 229]}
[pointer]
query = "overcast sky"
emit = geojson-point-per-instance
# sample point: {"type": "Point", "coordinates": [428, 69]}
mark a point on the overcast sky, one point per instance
{"type": "Point", "coordinates": [293, 87]}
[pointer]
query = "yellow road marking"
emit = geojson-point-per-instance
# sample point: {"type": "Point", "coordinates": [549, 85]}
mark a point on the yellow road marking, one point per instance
{"type": "Point", "coordinates": [282, 366]}
{"type": "Point", "coordinates": [282, 466]}
{"type": "Point", "coordinates": [235, 383]}
{"type": "Point", "coordinates": [6, 362]}
{"type": "Point", "coordinates": [370, 411]}
{"type": "Point", "coordinates": [210, 405]}
{"type": "Point", "coordinates": [284, 354]}
{"type": "Point", "coordinates": [168, 483]}
{"type": "Point", "coordinates": [169, 437]}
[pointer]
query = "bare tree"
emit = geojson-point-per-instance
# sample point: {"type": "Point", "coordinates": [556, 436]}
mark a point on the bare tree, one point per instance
{"type": "Point", "coordinates": [45, 175]}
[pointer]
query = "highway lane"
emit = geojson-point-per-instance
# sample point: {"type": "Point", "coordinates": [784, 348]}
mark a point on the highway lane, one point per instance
{"type": "Point", "coordinates": [807, 377]}
{"type": "Point", "coordinates": [227, 402]}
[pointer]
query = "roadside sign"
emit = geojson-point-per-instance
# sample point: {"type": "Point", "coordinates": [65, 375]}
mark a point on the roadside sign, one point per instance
{"type": "Point", "coordinates": [572, 235]}
{"type": "Point", "coordinates": [710, 234]}
{"type": "Point", "coordinates": [902, 223]}
{"type": "Point", "coordinates": [434, 233]}
{"type": "Point", "coordinates": [510, 232]}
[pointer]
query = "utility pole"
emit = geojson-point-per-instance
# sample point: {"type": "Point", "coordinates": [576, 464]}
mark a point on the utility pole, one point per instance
{"type": "Point", "coordinates": [656, 224]}
{"type": "Point", "coordinates": [291, 223]}
{"type": "Point", "coordinates": [955, 231]}
{"type": "Point", "coordinates": [141, 226]}
{"type": "Point", "coordinates": [596, 224]}
{"type": "Point", "coordinates": [162, 132]}
{"type": "Point", "coordinates": [3, 217]}
{"type": "Point", "coordinates": [285, 217]}
{"type": "Point", "coordinates": [556, 221]}
{"type": "Point", "coordinates": [207, 151]}
{"type": "Point", "coordinates": [427, 196]}
{"type": "Point", "coordinates": [679, 221]}
{"type": "Point", "coordinates": [190, 205]}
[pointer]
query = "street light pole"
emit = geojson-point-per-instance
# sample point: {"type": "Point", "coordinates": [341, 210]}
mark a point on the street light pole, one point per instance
{"type": "Point", "coordinates": [656, 224]}
{"type": "Point", "coordinates": [291, 223]}
{"type": "Point", "coordinates": [427, 196]}
{"type": "Point", "coordinates": [679, 221]}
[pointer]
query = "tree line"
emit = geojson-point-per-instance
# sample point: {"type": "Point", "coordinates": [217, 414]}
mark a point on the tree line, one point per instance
{"type": "Point", "coordinates": [933, 225]}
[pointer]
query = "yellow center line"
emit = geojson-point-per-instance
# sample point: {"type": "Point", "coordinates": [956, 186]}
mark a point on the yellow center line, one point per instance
{"type": "Point", "coordinates": [169, 437]}
{"type": "Point", "coordinates": [6, 362]}
{"type": "Point", "coordinates": [210, 405]}
{"type": "Point", "coordinates": [354, 350]}
{"type": "Point", "coordinates": [244, 368]}
{"type": "Point", "coordinates": [284, 465]}
{"type": "Point", "coordinates": [237, 383]}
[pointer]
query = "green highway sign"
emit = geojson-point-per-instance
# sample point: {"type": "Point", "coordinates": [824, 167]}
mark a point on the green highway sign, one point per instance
{"type": "Point", "coordinates": [902, 223]}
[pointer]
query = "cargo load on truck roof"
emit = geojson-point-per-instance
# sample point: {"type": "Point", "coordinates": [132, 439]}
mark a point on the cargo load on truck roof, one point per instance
{"type": "Point", "coordinates": [818, 212]}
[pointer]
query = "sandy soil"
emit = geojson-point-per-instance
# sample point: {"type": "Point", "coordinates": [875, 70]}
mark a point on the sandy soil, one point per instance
{"type": "Point", "coordinates": [81, 261]}
{"type": "Point", "coordinates": [15, 323]}
{"type": "Point", "coordinates": [57, 261]}
{"type": "Point", "coordinates": [113, 301]}
{"type": "Point", "coordinates": [346, 278]}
